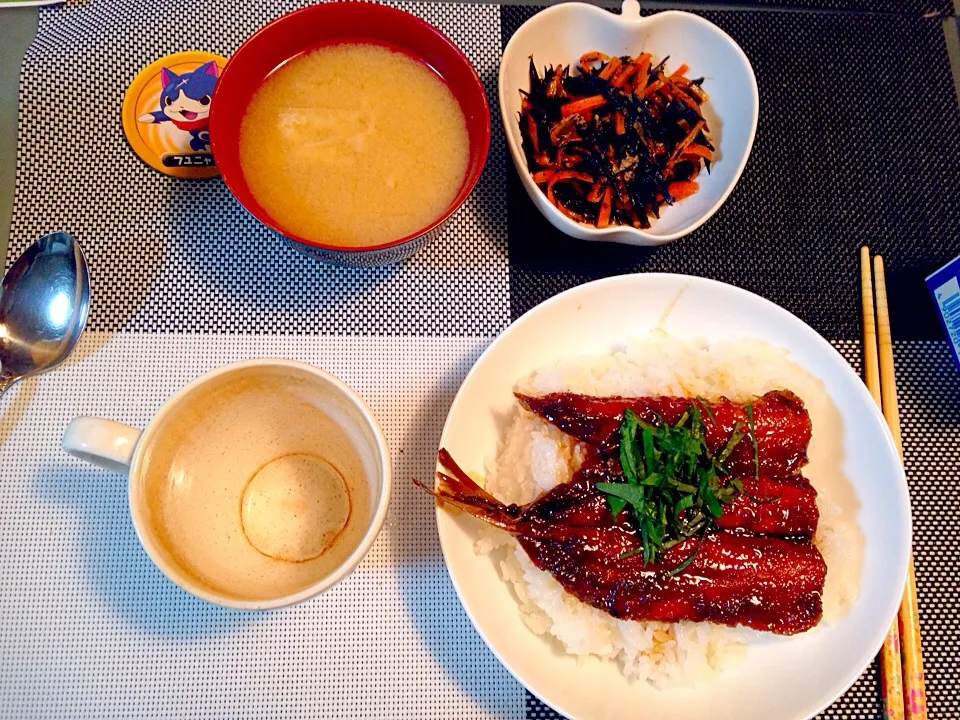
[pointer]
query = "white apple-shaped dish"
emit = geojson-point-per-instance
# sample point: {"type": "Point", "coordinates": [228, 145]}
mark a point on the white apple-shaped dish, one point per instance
{"type": "Point", "coordinates": [560, 34]}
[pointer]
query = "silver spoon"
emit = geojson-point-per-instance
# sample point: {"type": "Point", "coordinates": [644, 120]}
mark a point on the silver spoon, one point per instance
{"type": "Point", "coordinates": [44, 300]}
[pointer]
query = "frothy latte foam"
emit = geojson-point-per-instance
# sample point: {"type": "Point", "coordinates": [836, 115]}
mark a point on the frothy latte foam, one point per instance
{"type": "Point", "coordinates": [255, 484]}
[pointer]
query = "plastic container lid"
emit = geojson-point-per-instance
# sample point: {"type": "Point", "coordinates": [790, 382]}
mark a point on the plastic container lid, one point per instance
{"type": "Point", "coordinates": [166, 111]}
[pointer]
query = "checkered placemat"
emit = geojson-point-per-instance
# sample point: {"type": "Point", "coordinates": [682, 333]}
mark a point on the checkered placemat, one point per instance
{"type": "Point", "coordinates": [859, 127]}
{"type": "Point", "coordinates": [928, 8]}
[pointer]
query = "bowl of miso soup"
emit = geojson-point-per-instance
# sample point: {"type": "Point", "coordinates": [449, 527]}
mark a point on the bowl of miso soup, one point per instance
{"type": "Point", "coordinates": [353, 130]}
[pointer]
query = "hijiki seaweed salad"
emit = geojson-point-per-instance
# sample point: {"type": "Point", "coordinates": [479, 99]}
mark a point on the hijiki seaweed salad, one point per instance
{"type": "Point", "coordinates": [616, 141]}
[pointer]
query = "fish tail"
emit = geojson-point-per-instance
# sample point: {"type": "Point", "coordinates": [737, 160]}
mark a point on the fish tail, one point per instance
{"type": "Point", "coordinates": [532, 403]}
{"type": "Point", "coordinates": [459, 490]}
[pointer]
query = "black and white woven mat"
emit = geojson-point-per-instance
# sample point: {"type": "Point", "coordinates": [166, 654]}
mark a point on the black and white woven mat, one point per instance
{"type": "Point", "coordinates": [928, 8]}
{"type": "Point", "coordinates": [858, 140]}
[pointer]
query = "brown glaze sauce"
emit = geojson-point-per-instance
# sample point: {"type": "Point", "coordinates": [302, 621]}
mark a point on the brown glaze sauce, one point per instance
{"type": "Point", "coordinates": [757, 568]}
{"type": "Point", "coordinates": [781, 424]}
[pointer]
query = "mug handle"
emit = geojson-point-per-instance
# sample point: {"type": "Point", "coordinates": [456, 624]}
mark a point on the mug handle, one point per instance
{"type": "Point", "coordinates": [103, 442]}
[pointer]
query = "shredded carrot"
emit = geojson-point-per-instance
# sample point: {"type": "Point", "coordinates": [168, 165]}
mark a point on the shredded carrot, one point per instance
{"type": "Point", "coordinates": [606, 205]}
{"type": "Point", "coordinates": [680, 70]}
{"type": "Point", "coordinates": [652, 88]}
{"type": "Point", "coordinates": [554, 176]}
{"type": "Point", "coordinates": [593, 56]}
{"type": "Point", "coordinates": [643, 72]}
{"type": "Point", "coordinates": [687, 100]}
{"type": "Point", "coordinates": [532, 132]}
{"type": "Point", "coordinates": [682, 145]}
{"type": "Point", "coordinates": [682, 188]}
{"type": "Point", "coordinates": [541, 176]}
{"type": "Point", "coordinates": [578, 106]}
{"type": "Point", "coordinates": [610, 68]}
{"type": "Point", "coordinates": [567, 159]}
{"type": "Point", "coordinates": [623, 75]}
{"type": "Point", "coordinates": [698, 150]}
{"type": "Point", "coordinates": [543, 159]}
{"type": "Point", "coordinates": [619, 122]}
{"type": "Point", "coordinates": [695, 159]}
{"type": "Point", "coordinates": [564, 131]}
{"type": "Point", "coordinates": [572, 175]}
{"type": "Point", "coordinates": [596, 190]}
{"type": "Point", "coordinates": [553, 87]}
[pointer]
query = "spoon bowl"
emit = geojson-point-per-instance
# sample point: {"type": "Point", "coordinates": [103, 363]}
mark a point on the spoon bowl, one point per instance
{"type": "Point", "coordinates": [44, 302]}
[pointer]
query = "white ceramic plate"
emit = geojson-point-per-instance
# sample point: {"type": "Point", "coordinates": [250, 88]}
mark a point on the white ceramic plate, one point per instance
{"type": "Point", "coordinates": [791, 678]}
{"type": "Point", "coordinates": [562, 33]}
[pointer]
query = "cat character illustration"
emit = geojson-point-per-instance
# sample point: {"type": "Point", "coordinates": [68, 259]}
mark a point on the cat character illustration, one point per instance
{"type": "Point", "coordinates": [185, 101]}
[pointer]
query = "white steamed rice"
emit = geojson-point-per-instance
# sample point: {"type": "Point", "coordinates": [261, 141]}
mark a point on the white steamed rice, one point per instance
{"type": "Point", "coordinates": [535, 456]}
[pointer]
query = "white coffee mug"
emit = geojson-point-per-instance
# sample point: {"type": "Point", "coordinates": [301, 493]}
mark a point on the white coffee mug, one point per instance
{"type": "Point", "coordinates": [121, 448]}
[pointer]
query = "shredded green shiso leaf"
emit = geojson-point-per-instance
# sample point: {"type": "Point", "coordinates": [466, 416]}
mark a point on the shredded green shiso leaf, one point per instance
{"type": "Point", "coordinates": [673, 486]}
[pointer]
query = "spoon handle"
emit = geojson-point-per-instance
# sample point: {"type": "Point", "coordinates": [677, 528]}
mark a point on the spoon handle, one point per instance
{"type": "Point", "coordinates": [6, 381]}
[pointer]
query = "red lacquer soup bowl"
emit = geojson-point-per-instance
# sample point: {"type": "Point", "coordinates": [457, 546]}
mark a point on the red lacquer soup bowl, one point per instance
{"type": "Point", "coordinates": [328, 24]}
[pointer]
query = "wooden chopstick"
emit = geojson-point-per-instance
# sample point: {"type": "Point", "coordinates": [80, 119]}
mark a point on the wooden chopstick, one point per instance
{"type": "Point", "coordinates": [871, 367]}
{"type": "Point", "coordinates": [891, 679]}
{"type": "Point", "coordinates": [914, 690]}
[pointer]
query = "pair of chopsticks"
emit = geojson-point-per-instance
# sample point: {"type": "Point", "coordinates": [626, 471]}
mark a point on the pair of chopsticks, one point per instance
{"type": "Point", "coordinates": [901, 664]}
